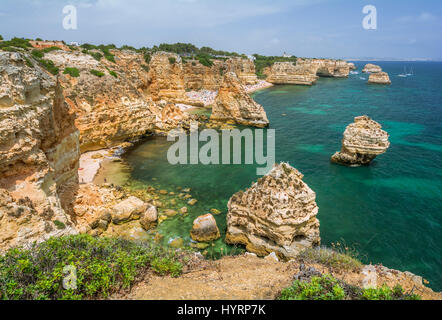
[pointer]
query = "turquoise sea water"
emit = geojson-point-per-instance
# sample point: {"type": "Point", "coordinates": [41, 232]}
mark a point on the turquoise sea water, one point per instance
{"type": "Point", "coordinates": [391, 211]}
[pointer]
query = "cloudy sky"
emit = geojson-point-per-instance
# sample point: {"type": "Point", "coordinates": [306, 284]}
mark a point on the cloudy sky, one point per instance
{"type": "Point", "coordinates": [308, 28]}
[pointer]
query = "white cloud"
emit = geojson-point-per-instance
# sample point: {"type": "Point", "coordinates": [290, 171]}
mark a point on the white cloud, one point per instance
{"type": "Point", "coordinates": [423, 17]}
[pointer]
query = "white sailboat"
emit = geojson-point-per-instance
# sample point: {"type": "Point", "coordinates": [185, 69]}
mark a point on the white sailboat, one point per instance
{"type": "Point", "coordinates": [410, 74]}
{"type": "Point", "coordinates": [403, 75]}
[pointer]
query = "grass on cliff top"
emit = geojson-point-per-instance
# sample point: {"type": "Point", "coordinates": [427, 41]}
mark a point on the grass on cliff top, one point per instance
{"type": "Point", "coordinates": [326, 287]}
{"type": "Point", "coordinates": [88, 267]}
{"type": "Point", "coordinates": [339, 257]}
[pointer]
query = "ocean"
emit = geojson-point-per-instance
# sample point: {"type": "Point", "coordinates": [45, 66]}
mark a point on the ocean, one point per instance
{"type": "Point", "coordinates": [390, 211]}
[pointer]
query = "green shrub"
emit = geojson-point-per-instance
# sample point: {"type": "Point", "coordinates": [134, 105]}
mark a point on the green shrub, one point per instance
{"type": "Point", "coordinates": [172, 60]}
{"type": "Point", "coordinates": [97, 73]}
{"type": "Point", "coordinates": [17, 43]}
{"type": "Point", "coordinates": [386, 293]}
{"type": "Point", "coordinates": [205, 60]}
{"type": "Point", "coordinates": [59, 224]}
{"type": "Point", "coordinates": [145, 67]}
{"type": "Point", "coordinates": [29, 63]}
{"type": "Point", "coordinates": [39, 39]}
{"type": "Point", "coordinates": [1, 38]}
{"type": "Point", "coordinates": [49, 49]}
{"type": "Point", "coordinates": [37, 53]}
{"type": "Point", "coordinates": [110, 57]}
{"type": "Point", "coordinates": [147, 57]}
{"type": "Point", "coordinates": [326, 287]}
{"type": "Point", "coordinates": [96, 55]}
{"type": "Point", "coordinates": [319, 288]}
{"type": "Point", "coordinates": [102, 265]}
{"type": "Point", "coordinates": [112, 73]}
{"type": "Point", "coordinates": [10, 49]}
{"type": "Point", "coordinates": [49, 65]}
{"type": "Point", "coordinates": [73, 72]}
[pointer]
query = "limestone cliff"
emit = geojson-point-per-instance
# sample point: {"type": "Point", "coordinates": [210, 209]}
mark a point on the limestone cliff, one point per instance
{"type": "Point", "coordinates": [379, 78]}
{"type": "Point", "coordinates": [234, 103]}
{"type": "Point", "coordinates": [276, 214]}
{"type": "Point", "coordinates": [363, 141]}
{"type": "Point", "coordinates": [198, 76]}
{"type": "Point", "coordinates": [111, 109]}
{"type": "Point", "coordinates": [39, 153]}
{"type": "Point", "coordinates": [288, 73]}
{"type": "Point", "coordinates": [166, 77]}
{"type": "Point", "coordinates": [244, 69]}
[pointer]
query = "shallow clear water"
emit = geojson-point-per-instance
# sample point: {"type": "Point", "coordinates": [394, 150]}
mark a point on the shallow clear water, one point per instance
{"type": "Point", "coordinates": [391, 211]}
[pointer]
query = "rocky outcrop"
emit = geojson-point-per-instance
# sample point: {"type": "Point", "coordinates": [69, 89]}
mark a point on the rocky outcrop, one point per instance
{"type": "Point", "coordinates": [234, 103]}
{"type": "Point", "coordinates": [166, 77]}
{"type": "Point", "coordinates": [288, 73]}
{"type": "Point", "coordinates": [112, 109]}
{"type": "Point", "coordinates": [200, 77]}
{"type": "Point", "coordinates": [325, 67]}
{"type": "Point", "coordinates": [276, 214]}
{"type": "Point", "coordinates": [379, 78]}
{"type": "Point", "coordinates": [371, 68]}
{"type": "Point", "coordinates": [244, 69]}
{"type": "Point", "coordinates": [39, 153]}
{"type": "Point", "coordinates": [205, 229]}
{"type": "Point", "coordinates": [363, 141]}
{"type": "Point", "coordinates": [351, 66]}
{"type": "Point", "coordinates": [49, 44]}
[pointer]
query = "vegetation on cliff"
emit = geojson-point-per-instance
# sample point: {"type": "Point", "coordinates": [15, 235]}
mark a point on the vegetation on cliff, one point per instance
{"type": "Point", "coordinates": [102, 266]}
{"type": "Point", "coordinates": [262, 62]}
{"type": "Point", "coordinates": [73, 72]}
{"type": "Point", "coordinates": [326, 287]}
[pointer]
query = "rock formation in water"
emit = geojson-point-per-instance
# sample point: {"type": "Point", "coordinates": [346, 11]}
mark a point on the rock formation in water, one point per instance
{"type": "Point", "coordinates": [379, 78]}
{"type": "Point", "coordinates": [234, 103]}
{"type": "Point", "coordinates": [351, 66]}
{"type": "Point", "coordinates": [371, 68]}
{"type": "Point", "coordinates": [288, 73]}
{"type": "Point", "coordinates": [363, 141]}
{"type": "Point", "coordinates": [39, 153]}
{"type": "Point", "coordinates": [205, 229]}
{"type": "Point", "coordinates": [276, 214]}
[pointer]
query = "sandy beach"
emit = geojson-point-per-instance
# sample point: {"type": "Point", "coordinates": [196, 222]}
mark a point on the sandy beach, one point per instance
{"type": "Point", "coordinates": [90, 163]}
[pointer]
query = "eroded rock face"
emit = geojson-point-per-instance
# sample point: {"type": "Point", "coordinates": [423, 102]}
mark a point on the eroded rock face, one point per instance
{"type": "Point", "coordinates": [205, 229]}
{"type": "Point", "coordinates": [166, 77]}
{"type": "Point", "coordinates": [379, 78]}
{"type": "Point", "coordinates": [288, 73]}
{"type": "Point", "coordinates": [39, 154]}
{"type": "Point", "coordinates": [363, 141]}
{"type": "Point", "coordinates": [371, 68]}
{"type": "Point", "coordinates": [110, 110]}
{"type": "Point", "coordinates": [276, 214]}
{"type": "Point", "coordinates": [234, 103]}
{"type": "Point", "coordinates": [244, 69]}
{"type": "Point", "coordinates": [200, 77]}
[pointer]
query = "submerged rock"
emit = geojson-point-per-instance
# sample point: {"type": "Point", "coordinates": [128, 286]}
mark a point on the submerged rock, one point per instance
{"type": "Point", "coordinates": [276, 214]}
{"type": "Point", "coordinates": [363, 141]}
{"type": "Point", "coordinates": [205, 229]}
{"type": "Point", "coordinates": [379, 77]}
{"type": "Point", "coordinates": [234, 103]}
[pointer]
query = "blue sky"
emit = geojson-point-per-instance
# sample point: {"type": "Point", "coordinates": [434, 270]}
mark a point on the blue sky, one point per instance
{"type": "Point", "coordinates": [308, 28]}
